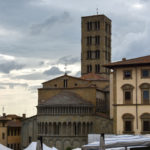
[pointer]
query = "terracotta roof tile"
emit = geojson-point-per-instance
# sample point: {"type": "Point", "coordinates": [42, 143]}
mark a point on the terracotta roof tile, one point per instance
{"type": "Point", "coordinates": [65, 98]}
{"type": "Point", "coordinates": [13, 123]}
{"type": "Point", "coordinates": [93, 76]}
{"type": "Point", "coordinates": [145, 60]}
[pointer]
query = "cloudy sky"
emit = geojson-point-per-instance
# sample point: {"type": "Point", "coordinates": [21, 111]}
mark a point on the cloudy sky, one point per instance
{"type": "Point", "coordinates": [38, 37]}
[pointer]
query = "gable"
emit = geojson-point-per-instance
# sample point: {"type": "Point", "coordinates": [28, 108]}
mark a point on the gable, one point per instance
{"type": "Point", "coordinates": [71, 82]}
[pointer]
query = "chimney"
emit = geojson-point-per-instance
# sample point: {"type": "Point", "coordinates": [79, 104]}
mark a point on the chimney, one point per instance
{"type": "Point", "coordinates": [4, 114]}
{"type": "Point", "coordinates": [123, 59]}
{"type": "Point", "coordinates": [23, 116]}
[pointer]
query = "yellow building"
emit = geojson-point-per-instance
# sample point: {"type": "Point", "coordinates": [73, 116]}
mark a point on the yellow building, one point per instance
{"type": "Point", "coordinates": [10, 131]}
{"type": "Point", "coordinates": [130, 95]}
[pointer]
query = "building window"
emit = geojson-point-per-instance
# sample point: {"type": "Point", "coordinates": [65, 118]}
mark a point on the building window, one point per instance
{"type": "Point", "coordinates": [128, 126]}
{"type": "Point", "coordinates": [89, 40]}
{"type": "Point", "coordinates": [55, 85]}
{"type": "Point", "coordinates": [89, 68]}
{"type": "Point", "coordinates": [30, 139]}
{"type": "Point", "coordinates": [65, 83]}
{"type": "Point", "coordinates": [97, 40]}
{"type": "Point", "coordinates": [97, 54]}
{"type": "Point", "coordinates": [89, 54]}
{"type": "Point", "coordinates": [128, 123]}
{"type": "Point", "coordinates": [3, 136]}
{"type": "Point", "coordinates": [145, 73]}
{"type": "Point", "coordinates": [145, 120]}
{"type": "Point", "coordinates": [97, 68]}
{"type": "Point", "coordinates": [75, 84]}
{"type": "Point", "coordinates": [97, 25]}
{"type": "Point", "coordinates": [127, 74]}
{"type": "Point", "coordinates": [109, 42]}
{"type": "Point", "coordinates": [106, 42]}
{"type": "Point", "coordinates": [89, 26]}
{"type": "Point", "coordinates": [145, 93]}
{"type": "Point", "coordinates": [127, 93]}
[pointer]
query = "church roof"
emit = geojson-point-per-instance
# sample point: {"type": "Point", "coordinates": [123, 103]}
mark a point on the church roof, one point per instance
{"type": "Point", "coordinates": [145, 60]}
{"type": "Point", "coordinates": [65, 75]}
{"type": "Point", "coordinates": [93, 76]}
{"type": "Point", "coordinates": [65, 98]}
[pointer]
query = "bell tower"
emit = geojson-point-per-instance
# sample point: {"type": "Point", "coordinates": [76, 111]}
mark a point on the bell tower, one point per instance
{"type": "Point", "coordinates": [95, 44]}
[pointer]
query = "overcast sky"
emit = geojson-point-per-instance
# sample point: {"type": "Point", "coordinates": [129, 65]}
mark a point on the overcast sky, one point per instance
{"type": "Point", "coordinates": [38, 37]}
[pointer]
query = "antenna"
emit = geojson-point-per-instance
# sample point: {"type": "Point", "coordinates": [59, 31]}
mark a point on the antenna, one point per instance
{"type": "Point", "coordinates": [3, 109]}
{"type": "Point", "coordinates": [65, 69]}
{"type": "Point", "coordinates": [97, 11]}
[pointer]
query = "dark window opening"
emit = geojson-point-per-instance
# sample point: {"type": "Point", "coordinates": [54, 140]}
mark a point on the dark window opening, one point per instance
{"type": "Point", "coordinates": [105, 41]}
{"type": "Point", "coordinates": [89, 54]}
{"type": "Point", "coordinates": [75, 84]}
{"type": "Point", "coordinates": [65, 83]}
{"type": "Point", "coordinates": [127, 74]}
{"type": "Point", "coordinates": [3, 136]}
{"type": "Point", "coordinates": [128, 126]}
{"type": "Point", "coordinates": [146, 125]}
{"type": "Point", "coordinates": [89, 68]}
{"type": "Point", "coordinates": [146, 96]}
{"type": "Point", "coordinates": [145, 73]}
{"type": "Point", "coordinates": [55, 85]}
{"type": "Point", "coordinates": [89, 26]}
{"type": "Point", "coordinates": [89, 40]}
{"type": "Point", "coordinates": [97, 54]}
{"type": "Point", "coordinates": [97, 40]}
{"type": "Point", "coordinates": [97, 25]}
{"type": "Point", "coordinates": [30, 139]}
{"type": "Point", "coordinates": [97, 68]}
{"type": "Point", "coordinates": [106, 29]}
{"type": "Point", "coordinates": [127, 95]}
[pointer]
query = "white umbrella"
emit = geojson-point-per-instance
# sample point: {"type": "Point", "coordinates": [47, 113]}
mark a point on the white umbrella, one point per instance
{"type": "Point", "coordinates": [2, 147]}
{"type": "Point", "coordinates": [33, 145]}
{"type": "Point", "coordinates": [77, 149]}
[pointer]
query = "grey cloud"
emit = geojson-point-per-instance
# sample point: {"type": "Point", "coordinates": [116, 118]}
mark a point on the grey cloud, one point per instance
{"type": "Point", "coordinates": [9, 66]}
{"type": "Point", "coordinates": [34, 88]}
{"type": "Point", "coordinates": [48, 24]}
{"type": "Point", "coordinates": [78, 74]}
{"type": "Point", "coordinates": [32, 76]}
{"type": "Point", "coordinates": [53, 71]}
{"type": "Point", "coordinates": [68, 60]}
{"type": "Point", "coordinates": [12, 85]}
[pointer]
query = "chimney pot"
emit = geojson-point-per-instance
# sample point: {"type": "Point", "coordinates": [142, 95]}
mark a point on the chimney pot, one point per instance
{"type": "Point", "coordinates": [124, 59]}
{"type": "Point", "coordinates": [24, 116]}
{"type": "Point", "coordinates": [4, 114]}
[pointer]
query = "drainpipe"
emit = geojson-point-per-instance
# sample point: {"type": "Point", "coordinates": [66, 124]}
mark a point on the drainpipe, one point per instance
{"type": "Point", "coordinates": [136, 101]}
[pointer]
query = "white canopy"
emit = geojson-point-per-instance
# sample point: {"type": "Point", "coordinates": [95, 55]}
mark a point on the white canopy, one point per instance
{"type": "Point", "coordinates": [120, 141]}
{"type": "Point", "coordinates": [33, 145]}
{"type": "Point", "coordinates": [2, 147]}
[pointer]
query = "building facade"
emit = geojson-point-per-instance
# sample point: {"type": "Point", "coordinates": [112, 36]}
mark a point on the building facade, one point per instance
{"type": "Point", "coordinates": [130, 94]}
{"type": "Point", "coordinates": [96, 44]}
{"type": "Point", "coordinates": [10, 131]}
{"type": "Point", "coordinates": [69, 108]}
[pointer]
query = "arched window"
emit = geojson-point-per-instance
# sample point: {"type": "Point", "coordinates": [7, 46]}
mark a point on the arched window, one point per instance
{"type": "Point", "coordinates": [128, 123]}
{"type": "Point", "coordinates": [145, 120]}
{"type": "Point", "coordinates": [127, 94]}
{"type": "Point", "coordinates": [145, 93]}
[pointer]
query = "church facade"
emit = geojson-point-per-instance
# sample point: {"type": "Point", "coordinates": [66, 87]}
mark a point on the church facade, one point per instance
{"type": "Point", "coordinates": [70, 108]}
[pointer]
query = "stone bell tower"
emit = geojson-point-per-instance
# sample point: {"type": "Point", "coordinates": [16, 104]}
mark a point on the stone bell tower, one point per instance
{"type": "Point", "coordinates": [96, 44]}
